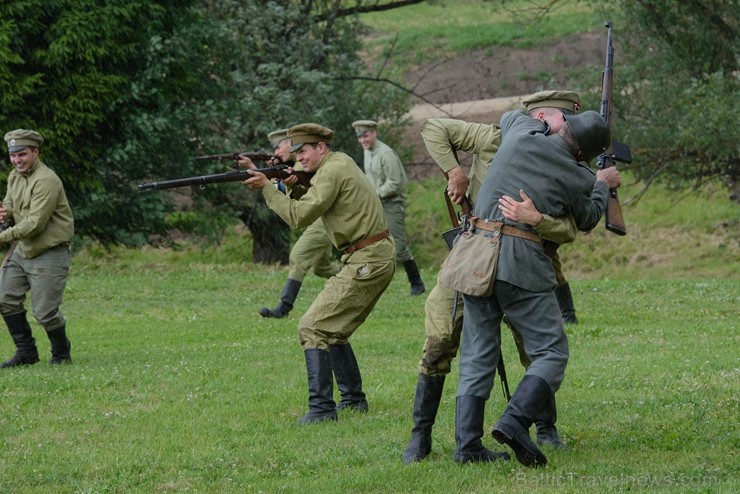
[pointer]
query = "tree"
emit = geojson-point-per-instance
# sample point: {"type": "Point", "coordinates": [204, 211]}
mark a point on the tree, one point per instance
{"type": "Point", "coordinates": [130, 90]}
{"type": "Point", "coordinates": [677, 83]}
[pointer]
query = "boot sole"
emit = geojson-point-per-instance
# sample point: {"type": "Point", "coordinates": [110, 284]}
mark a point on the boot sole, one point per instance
{"type": "Point", "coordinates": [523, 455]}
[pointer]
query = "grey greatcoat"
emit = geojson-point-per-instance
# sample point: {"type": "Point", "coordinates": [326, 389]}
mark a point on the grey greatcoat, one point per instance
{"type": "Point", "coordinates": [544, 166]}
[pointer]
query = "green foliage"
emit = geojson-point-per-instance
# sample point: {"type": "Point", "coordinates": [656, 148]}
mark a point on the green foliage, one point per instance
{"type": "Point", "coordinates": [677, 77]}
{"type": "Point", "coordinates": [129, 91]}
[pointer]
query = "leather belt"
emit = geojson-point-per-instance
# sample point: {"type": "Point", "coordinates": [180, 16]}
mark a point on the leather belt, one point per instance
{"type": "Point", "coordinates": [492, 226]}
{"type": "Point", "coordinates": [361, 244]}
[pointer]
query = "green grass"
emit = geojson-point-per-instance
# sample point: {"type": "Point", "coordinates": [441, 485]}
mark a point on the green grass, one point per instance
{"type": "Point", "coordinates": [178, 385]}
{"type": "Point", "coordinates": [427, 30]}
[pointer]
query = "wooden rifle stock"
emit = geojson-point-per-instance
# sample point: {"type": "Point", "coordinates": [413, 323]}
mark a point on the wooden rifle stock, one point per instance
{"type": "Point", "coordinates": [279, 172]}
{"type": "Point", "coordinates": [613, 215]}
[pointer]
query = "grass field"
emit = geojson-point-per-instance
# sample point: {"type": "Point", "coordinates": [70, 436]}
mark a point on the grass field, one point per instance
{"type": "Point", "coordinates": [178, 385]}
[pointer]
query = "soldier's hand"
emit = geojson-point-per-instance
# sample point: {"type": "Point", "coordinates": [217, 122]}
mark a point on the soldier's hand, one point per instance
{"type": "Point", "coordinates": [610, 176]}
{"type": "Point", "coordinates": [457, 184]}
{"type": "Point", "coordinates": [246, 163]}
{"type": "Point", "coordinates": [258, 181]}
{"type": "Point", "coordinates": [523, 212]}
{"type": "Point", "coordinates": [292, 179]}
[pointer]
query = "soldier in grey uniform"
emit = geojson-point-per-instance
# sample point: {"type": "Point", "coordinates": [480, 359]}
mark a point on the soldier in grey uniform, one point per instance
{"type": "Point", "coordinates": [41, 226]}
{"type": "Point", "coordinates": [313, 252]}
{"type": "Point", "coordinates": [443, 138]}
{"type": "Point", "coordinates": [384, 169]}
{"type": "Point", "coordinates": [524, 280]}
{"type": "Point", "coordinates": [351, 211]}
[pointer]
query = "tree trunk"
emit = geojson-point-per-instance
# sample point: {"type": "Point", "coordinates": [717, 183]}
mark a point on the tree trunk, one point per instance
{"type": "Point", "coordinates": [270, 234]}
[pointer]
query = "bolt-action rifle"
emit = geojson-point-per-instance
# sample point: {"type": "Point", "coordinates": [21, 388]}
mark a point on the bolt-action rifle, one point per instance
{"type": "Point", "coordinates": [616, 150]}
{"type": "Point", "coordinates": [278, 172]}
{"type": "Point", "coordinates": [254, 156]}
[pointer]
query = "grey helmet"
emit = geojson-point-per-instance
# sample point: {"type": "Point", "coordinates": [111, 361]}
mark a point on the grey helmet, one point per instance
{"type": "Point", "coordinates": [591, 132]}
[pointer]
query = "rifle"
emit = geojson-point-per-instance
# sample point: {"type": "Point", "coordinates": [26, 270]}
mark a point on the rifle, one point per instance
{"type": "Point", "coordinates": [616, 151]}
{"type": "Point", "coordinates": [279, 172]}
{"type": "Point", "coordinates": [254, 156]}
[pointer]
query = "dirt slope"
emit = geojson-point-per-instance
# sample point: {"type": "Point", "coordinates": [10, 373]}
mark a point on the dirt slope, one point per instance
{"type": "Point", "coordinates": [479, 86]}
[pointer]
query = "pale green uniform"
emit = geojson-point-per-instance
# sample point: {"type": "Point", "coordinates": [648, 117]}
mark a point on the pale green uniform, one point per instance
{"type": "Point", "coordinates": [43, 227]}
{"type": "Point", "coordinates": [351, 211]}
{"type": "Point", "coordinates": [385, 171]}
{"type": "Point", "coordinates": [442, 137]}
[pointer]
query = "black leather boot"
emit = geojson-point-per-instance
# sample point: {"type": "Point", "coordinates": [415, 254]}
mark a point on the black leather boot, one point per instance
{"type": "Point", "coordinates": [26, 352]}
{"type": "Point", "coordinates": [412, 272]}
{"type": "Point", "coordinates": [287, 299]}
{"type": "Point", "coordinates": [321, 405]}
{"type": "Point", "coordinates": [469, 431]}
{"type": "Point", "coordinates": [512, 428]}
{"type": "Point", "coordinates": [547, 433]}
{"type": "Point", "coordinates": [349, 379]}
{"type": "Point", "coordinates": [565, 301]}
{"type": "Point", "coordinates": [426, 403]}
{"type": "Point", "coordinates": [60, 346]}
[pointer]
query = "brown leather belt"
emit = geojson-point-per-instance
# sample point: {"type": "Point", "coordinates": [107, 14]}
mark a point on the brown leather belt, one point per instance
{"type": "Point", "coordinates": [361, 244]}
{"type": "Point", "coordinates": [492, 226]}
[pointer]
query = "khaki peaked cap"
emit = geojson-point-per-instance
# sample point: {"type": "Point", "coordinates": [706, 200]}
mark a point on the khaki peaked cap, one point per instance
{"type": "Point", "coordinates": [308, 133]}
{"type": "Point", "coordinates": [277, 136]}
{"type": "Point", "coordinates": [591, 131]}
{"type": "Point", "coordinates": [363, 126]}
{"type": "Point", "coordinates": [20, 139]}
{"type": "Point", "coordinates": [567, 101]}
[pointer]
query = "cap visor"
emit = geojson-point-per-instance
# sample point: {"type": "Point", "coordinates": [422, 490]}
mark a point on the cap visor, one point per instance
{"type": "Point", "coordinates": [296, 147]}
{"type": "Point", "coordinates": [15, 149]}
{"type": "Point", "coordinates": [360, 134]}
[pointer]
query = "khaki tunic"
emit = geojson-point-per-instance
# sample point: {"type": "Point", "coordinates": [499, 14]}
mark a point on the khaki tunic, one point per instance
{"type": "Point", "coordinates": [350, 209]}
{"type": "Point", "coordinates": [38, 207]}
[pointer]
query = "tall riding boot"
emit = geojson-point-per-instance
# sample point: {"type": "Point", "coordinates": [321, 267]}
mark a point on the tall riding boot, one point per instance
{"type": "Point", "coordinates": [565, 301]}
{"type": "Point", "coordinates": [469, 431]}
{"type": "Point", "coordinates": [412, 271]}
{"type": "Point", "coordinates": [426, 403]}
{"type": "Point", "coordinates": [287, 299]}
{"type": "Point", "coordinates": [26, 352]}
{"type": "Point", "coordinates": [349, 379]}
{"type": "Point", "coordinates": [321, 405]}
{"type": "Point", "coordinates": [60, 346]}
{"type": "Point", "coordinates": [545, 421]}
{"type": "Point", "coordinates": [513, 426]}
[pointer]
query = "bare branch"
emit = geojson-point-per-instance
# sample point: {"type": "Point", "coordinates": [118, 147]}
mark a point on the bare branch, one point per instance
{"type": "Point", "coordinates": [394, 84]}
{"type": "Point", "coordinates": [359, 9]}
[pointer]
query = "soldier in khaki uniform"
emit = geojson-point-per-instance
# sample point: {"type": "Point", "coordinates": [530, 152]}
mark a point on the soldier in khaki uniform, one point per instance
{"type": "Point", "coordinates": [384, 169]}
{"type": "Point", "coordinates": [313, 252]}
{"type": "Point", "coordinates": [443, 137]}
{"type": "Point", "coordinates": [345, 201]}
{"type": "Point", "coordinates": [42, 227]}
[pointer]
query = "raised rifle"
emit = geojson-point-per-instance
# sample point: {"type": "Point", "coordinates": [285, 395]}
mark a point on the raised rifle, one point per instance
{"type": "Point", "coordinates": [254, 156]}
{"type": "Point", "coordinates": [616, 150]}
{"type": "Point", "coordinates": [279, 172]}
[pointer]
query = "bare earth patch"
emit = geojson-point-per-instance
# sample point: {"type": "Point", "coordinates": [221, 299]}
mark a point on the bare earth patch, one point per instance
{"type": "Point", "coordinates": [480, 86]}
